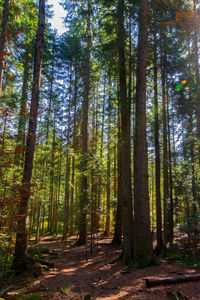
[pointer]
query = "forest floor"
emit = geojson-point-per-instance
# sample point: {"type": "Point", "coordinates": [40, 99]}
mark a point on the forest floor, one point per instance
{"type": "Point", "coordinates": [93, 274]}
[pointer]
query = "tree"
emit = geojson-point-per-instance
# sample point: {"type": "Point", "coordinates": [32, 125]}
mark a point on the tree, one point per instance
{"type": "Point", "coordinates": [3, 37]}
{"type": "Point", "coordinates": [84, 181]}
{"type": "Point", "coordinates": [21, 237]}
{"type": "Point", "coordinates": [142, 233]}
{"type": "Point", "coordinates": [157, 152]}
{"type": "Point", "coordinates": [127, 213]}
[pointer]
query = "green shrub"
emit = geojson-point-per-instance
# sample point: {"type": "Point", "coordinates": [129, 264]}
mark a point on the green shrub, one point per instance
{"type": "Point", "coordinates": [37, 251]}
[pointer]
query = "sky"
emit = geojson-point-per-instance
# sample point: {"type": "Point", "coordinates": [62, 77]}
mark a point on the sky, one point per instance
{"type": "Point", "coordinates": [59, 14]}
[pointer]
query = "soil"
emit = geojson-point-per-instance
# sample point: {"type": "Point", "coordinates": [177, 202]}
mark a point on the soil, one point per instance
{"type": "Point", "coordinates": [92, 273]}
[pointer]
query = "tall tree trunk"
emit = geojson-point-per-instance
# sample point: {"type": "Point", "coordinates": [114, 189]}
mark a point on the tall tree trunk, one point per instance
{"type": "Point", "coordinates": [68, 158]}
{"type": "Point", "coordinates": [117, 238]}
{"type": "Point", "coordinates": [196, 60]}
{"type": "Point", "coordinates": [21, 237]}
{"type": "Point", "coordinates": [23, 111]}
{"type": "Point", "coordinates": [171, 210]}
{"type": "Point", "coordinates": [46, 145]}
{"type": "Point", "coordinates": [157, 152]}
{"type": "Point", "coordinates": [73, 158]}
{"type": "Point", "coordinates": [51, 187]}
{"type": "Point", "coordinates": [125, 106]}
{"type": "Point", "coordinates": [165, 151]}
{"type": "Point", "coordinates": [143, 242]}
{"type": "Point", "coordinates": [84, 181]}
{"type": "Point", "coordinates": [107, 229]}
{"type": "Point", "coordinates": [3, 37]}
{"type": "Point", "coordinates": [38, 223]}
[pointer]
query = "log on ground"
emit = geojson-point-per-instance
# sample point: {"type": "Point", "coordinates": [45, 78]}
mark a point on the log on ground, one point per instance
{"type": "Point", "coordinates": [150, 282]}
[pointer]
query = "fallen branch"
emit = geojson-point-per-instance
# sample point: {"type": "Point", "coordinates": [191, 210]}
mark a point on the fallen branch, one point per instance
{"type": "Point", "coordinates": [174, 279]}
{"type": "Point", "coordinates": [4, 291]}
{"type": "Point", "coordinates": [177, 296]}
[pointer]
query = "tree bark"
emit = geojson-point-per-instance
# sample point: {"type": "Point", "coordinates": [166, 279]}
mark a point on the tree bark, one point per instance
{"type": "Point", "coordinates": [21, 236]}
{"type": "Point", "coordinates": [117, 238]}
{"type": "Point", "coordinates": [84, 180]}
{"type": "Point", "coordinates": [107, 230]}
{"type": "Point", "coordinates": [173, 279]}
{"type": "Point", "coordinates": [165, 151]}
{"type": "Point", "coordinates": [125, 106]}
{"type": "Point", "coordinates": [157, 152]}
{"type": "Point", "coordinates": [68, 158]}
{"type": "Point", "coordinates": [171, 210]}
{"type": "Point", "coordinates": [51, 187]}
{"type": "Point", "coordinates": [3, 37]}
{"type": "Point", "coordinates": [23, 111]}
{"type": "Point", "coordinates": [142, 233]}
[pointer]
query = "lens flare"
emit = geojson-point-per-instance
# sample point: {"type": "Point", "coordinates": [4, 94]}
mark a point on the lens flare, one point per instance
{"type": "Point", "coordinates": [180, 85]}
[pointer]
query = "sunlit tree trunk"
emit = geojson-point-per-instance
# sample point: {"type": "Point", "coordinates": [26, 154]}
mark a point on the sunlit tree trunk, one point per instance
{"type": "Point", "coordinates": [157, 152]}
{"type": "Point", "coordinates": [142, 232]}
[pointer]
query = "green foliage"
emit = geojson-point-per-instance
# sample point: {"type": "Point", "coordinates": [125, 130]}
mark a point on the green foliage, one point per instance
{"type": "Point", "coordinates": [38, 251]}
{"type": "Point", "coordinates": [184, 259]}
{"type": "Point", "coordinates": [31, 297]}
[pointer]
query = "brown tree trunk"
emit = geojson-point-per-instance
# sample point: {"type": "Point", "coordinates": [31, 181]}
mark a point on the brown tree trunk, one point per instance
{"type": "Point", "coordinates": [157, 153]}
{"type": "Point", "coordinates": [84, 181]}
{"type": "Point", "coordinates": [73, 158]}
{"type": "Point", "coordinates": [21, 237]}
{"type": "Point", "coordinates": [143, 242]}
{"type": "Point", "coordinates": [117, 239]}
{"type": "Point", "coordinates": [3, 37]}
{"type": "Point", "coordinates": [125, 106]}
{"type": "Point", "coordinates": [23, 112]}
{"type": "Point", "coordinates": [51, 187]}
{"type": "Point", "coordinates": [196, 60]}
{"type": "Point", "coordinates": [165, 151]}
{"type": "Point", "coordinates": [107, 229]}
{"type": "Point", "coordinates": [171, 209]}
{"type": "Point", "coordinates": [68, 158]}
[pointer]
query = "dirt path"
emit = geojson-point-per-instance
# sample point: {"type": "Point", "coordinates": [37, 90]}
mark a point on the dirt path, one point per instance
{"type": "Point", "coordinates": [102, 280]}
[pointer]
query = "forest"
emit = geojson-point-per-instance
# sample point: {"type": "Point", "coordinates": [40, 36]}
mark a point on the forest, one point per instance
{"type": "Point", "coordinates": [100, 150]}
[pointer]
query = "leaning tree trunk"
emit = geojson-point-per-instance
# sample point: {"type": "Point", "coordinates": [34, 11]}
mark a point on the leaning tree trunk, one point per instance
{"type": "Point", "coordinates": [143, 242]}
{"type": "Point", "coordinates": [3, 37]}
{"type": "Point", "coordinates": [125, 107]}
{"type": "Point", "coordinates": [21, 237]}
